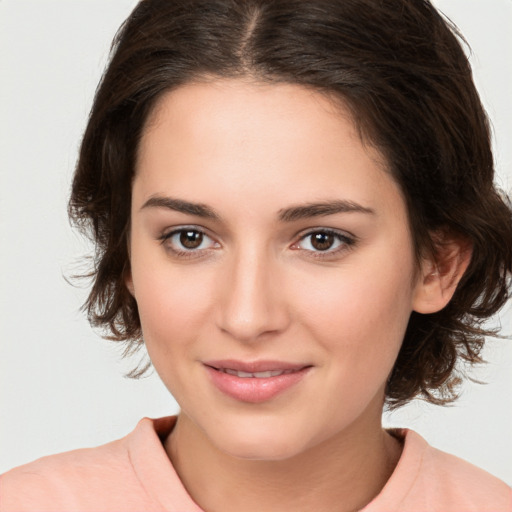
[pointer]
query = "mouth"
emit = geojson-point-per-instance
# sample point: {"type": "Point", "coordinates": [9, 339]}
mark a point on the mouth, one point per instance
{"type": "Point", "coordinates": [258, 375]}
{"type": "Point", "coordinates": [255, 382]}
{"type": "Point", "coordinates": [256, 369]}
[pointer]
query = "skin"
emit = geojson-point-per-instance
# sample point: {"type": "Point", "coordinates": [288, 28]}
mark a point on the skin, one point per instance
{"type": "Point", "coordinates": [258, 289]}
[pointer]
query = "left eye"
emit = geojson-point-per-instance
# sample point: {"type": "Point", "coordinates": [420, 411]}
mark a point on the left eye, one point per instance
{"type": "Point", "coordinates": [323, 241]}
{"type": "Point", "coordinates": [188, 239]}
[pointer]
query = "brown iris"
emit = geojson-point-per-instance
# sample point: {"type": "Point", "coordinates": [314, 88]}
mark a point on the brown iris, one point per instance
{"type": "Point", "coordinates": [191, 239]}
{"type": "Point", "coordinates": [322, 241]}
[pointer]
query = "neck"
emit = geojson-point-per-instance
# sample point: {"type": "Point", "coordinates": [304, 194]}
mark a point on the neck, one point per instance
{"type": "Point", "coordinates": [343, 473]}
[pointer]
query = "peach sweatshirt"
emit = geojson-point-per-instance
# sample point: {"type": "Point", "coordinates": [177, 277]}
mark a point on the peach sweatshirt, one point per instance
{"type": "Point", "coordinates": [135, 474]}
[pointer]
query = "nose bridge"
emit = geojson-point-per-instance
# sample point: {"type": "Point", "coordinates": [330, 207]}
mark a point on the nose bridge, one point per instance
{"type": "Point", "coordinates": [252, 303]}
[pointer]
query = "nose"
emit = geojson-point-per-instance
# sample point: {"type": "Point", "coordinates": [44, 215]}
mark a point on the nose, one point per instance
{"type": "Point", "coordinates": [252, 304]}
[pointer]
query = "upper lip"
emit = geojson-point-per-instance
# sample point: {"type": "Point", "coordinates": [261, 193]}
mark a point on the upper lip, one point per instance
{"type": "Point", "coordinates": [255, 366]}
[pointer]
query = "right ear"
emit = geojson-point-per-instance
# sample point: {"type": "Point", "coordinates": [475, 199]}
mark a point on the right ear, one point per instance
{"type": "Point", "coordinates": [127, 273]}
{"type": "Point", "coordinates": [128, 281]}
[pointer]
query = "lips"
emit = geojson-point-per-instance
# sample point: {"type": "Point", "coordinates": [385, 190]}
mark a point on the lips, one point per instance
{"type": "Point", "coordinates": [255, 366]}
{"type": "Point", "coordinates": [255, 382]}
{"type": "Point", "coordinates": [258, 375]}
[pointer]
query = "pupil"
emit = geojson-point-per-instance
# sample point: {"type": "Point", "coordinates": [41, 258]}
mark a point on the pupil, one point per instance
{"type": "Point", "coordinates": [191, 239]}
{"type": "Point", "coordinates": [322, 241]}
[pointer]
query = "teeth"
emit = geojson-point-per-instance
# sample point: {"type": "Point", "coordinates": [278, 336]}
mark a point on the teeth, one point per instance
{"type": "Point", "coordinates": [263, 375]}
{"type": "Point", "coordinates": [257, 375]}
{"type": "Point", "coordinates": [244, 374]}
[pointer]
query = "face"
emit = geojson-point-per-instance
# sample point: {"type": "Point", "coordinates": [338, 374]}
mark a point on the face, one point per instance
{"type": "Point", "coordinates": [272, 265]}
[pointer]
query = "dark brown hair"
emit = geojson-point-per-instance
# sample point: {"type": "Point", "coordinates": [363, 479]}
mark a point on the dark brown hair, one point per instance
{"type": "Point", "coordinates": [400, 68]}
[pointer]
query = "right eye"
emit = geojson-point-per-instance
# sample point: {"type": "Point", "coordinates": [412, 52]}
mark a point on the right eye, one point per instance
{"type": "Point", "coordinates": [184, 241]}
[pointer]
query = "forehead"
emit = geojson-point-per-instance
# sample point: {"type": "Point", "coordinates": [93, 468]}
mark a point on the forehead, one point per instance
{"type": "Point", "coordinates": [248, 111]}
{"type": "Point", "coordinates": [213, 139]}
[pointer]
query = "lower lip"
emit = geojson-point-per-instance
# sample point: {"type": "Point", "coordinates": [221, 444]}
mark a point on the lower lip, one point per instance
{"type": "Point", "coordinates": [252, 389]}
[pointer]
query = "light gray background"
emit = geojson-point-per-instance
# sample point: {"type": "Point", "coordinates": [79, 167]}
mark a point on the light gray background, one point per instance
{"type": "Point", "coordinates": [61, 386]}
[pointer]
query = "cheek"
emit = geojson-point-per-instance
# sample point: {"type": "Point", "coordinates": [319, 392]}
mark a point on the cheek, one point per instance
{"type": "Point", "coordinates": [362, 309]}
{"type": "Point", "coordinates": [173, 303]}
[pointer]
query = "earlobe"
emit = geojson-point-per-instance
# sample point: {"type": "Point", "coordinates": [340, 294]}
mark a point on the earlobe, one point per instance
{"type": "Point", "coordinates": [441, 272]}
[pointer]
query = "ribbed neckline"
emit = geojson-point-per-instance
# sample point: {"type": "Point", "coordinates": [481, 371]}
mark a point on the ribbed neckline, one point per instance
{"type": "Point", "coordinates": [161, 482]}
{"type": "Point", "coordinates": [153, 467]}
{"type": "Point", "coordinates": [405, 474]}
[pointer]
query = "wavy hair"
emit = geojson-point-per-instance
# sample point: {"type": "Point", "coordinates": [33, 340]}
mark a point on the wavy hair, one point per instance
{"type": "Point", "coordinates": [400, 67]}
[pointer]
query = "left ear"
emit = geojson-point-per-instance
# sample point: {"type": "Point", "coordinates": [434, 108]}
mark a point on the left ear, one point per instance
{"type": "Point", "coordinates": [441, 272]}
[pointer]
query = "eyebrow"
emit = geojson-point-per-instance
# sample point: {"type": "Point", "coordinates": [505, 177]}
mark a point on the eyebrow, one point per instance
{"type": "Point", "coordinates": [321, 209]}
{"type": "Point", "coordinates": [179, 205]}
{"type": "Point", "coordinates": [289, 214]}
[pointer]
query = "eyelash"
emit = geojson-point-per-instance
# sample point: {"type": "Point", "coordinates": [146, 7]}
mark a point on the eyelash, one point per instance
{"type": "Point", "coordinates": [346, 242]}
{"type": "Point", "coordinates": [183, 254]}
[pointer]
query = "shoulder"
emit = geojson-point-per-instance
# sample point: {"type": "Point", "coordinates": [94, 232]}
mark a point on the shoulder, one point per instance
{"type": "Point", "coordinates": [64, 480]}
{"type": "Point", "coordinates": [428, 479]}
{"type": "Point", "coordinates": [101, 478]}
{"type": "Point", "coordinates": [463, 483]}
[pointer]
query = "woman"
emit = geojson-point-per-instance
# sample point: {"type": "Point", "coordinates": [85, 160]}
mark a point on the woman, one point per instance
{"type": "Point", "coordinates": [293, 209]}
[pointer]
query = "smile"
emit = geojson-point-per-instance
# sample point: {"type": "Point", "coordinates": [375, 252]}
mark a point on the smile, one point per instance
{"type": "Point", "coordinates": [257, 375]}
{"type": "Point", "coordinates": [255, 382]}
